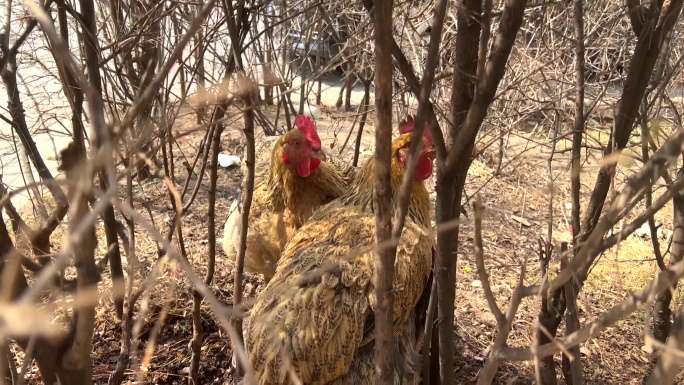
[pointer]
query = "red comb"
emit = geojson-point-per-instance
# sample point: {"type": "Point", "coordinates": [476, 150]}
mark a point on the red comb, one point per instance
{"type": "Point", "coordinates": [409, 125]}
{"type": "Point", "coordinates": [308, 127]}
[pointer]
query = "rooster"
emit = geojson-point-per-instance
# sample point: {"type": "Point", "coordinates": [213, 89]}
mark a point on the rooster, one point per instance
{"type": "Point", "coordinates": [314, 319]}
{"type": "Point", "coordinates": [297, 182]}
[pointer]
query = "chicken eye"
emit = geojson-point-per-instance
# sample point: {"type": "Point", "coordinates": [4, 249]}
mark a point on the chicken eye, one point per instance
{"type": "Point", "coordinates": [296, 143]}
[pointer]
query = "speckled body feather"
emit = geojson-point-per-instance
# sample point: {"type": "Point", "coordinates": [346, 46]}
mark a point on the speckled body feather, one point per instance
{"type": "Point", "coordinates": [316, 315]}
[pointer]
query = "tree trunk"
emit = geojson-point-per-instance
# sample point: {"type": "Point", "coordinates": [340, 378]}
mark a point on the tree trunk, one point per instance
{"type": "Point", "coordinates": [92, 62]}
{"type": "Point", "coordinates": [662, 320]}
{"type": "Point", "coordinates": [550, 316]}
{"type": "Point", "coordinates": [449, 189]}
{"type": "Point", "coordinates": [448, 193]}
{"type": "Point", "coordinates": [384, 335]}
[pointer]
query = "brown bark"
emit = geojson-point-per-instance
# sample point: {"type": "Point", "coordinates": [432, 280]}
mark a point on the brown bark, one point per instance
{"type": "Point", "coordinates": [347, 87]}
{"type": "Point", "coordinates": [365, 105]}
{"type": "Point", "coordinates": [572, 370]}
{"type": "Point", "coordinates": [548, 314]}
{"type": "Point", "coordinates": [555, 305]}
{"type": "Point", "coordinates": [635, 11]}
{"type": "Point", "coordinates": [201, 75]}
{"type": "Point", "coordinates": [92, 51]}
{"type": "Point", "coordinates": [578, 129]}
{"type": "Point", "coordinates": [236, 29]}
{"type": "Point", "coordinates": [127, 323]}
{"type": "Point", "coordinates": [670, 363]}
{"type": "Point", "coordinates": [247, 191]}
{"type": "Point", "coordinates": [419, 124]}
{"type": "Point", "coordinates": [384, 336]}
{"type": "Point", "coordinates": [77, 351]}
{"type": "Point", "coordinates": [449, 189]}
{"type": "Point", "coordinates": [197, 334]}
{"type": "Point", "coordinates": [662, 320]}
{"type": "Point", "coordinates": [268, 62]}
{"type": "Point", "coordinates": [457, 162]}
{"type": "Point", "coordinates": [405, 68]}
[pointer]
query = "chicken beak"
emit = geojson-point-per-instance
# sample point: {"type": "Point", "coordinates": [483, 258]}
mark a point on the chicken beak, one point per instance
{"type": "Point", "coordinates": [319, 154]}
{"type": "Point", "coordinates": [430, 152]}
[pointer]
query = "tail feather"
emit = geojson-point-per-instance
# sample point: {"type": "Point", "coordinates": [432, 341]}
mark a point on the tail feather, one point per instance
{"type": "Point", "coordinates": [231, 230]}
{"type": "Point", "coordinates": [255, 262]}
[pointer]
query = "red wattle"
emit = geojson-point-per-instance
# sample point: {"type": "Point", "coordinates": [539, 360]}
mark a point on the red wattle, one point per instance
{"type": "Point", "coordinates": [315, 163]}
{"type": "Point", "coordinates": [424, 168]}
{"type": "Point", "coordinates": [304, 167]}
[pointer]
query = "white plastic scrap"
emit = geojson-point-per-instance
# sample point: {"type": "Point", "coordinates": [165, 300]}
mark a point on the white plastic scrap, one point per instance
{"type": "Point", "coordinates": [227, 160]}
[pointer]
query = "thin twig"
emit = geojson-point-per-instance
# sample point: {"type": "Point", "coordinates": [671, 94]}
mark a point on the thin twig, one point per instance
{"type": "Point", "coordinates": [487, 374]}
{"type": "Point", "coordinates": [479, 261]}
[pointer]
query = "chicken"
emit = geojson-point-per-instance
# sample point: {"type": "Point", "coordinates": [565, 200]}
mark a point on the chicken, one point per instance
{"type": "Point", "coordinates": [315, 317]}
{"type": "Point", "coordinates": [297, 182]}
{"type": "Point", "coordinates": [265, 144]}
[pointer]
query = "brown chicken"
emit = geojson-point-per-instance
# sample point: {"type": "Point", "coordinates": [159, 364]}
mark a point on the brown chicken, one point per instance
{"type": "Point", "coordinates": [287, 192]}
{"type": "Point", "coordinates": [264, 147]}
{"type": "Point", "coordinates": [315, 317]}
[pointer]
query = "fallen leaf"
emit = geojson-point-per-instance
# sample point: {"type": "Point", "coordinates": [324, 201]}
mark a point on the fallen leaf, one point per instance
{"type": "Point", "coordinates": [612, 159]}
{"type": "Point", "coordinates": [521, 220]}
{"type": "Point", "coordinates": [585, 351]}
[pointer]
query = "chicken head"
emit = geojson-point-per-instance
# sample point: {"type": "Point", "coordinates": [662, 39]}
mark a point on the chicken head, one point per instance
{"type": "Point", "coordinates": [302, 147]}
{"type": "Point", "coordinates": [427, 150]}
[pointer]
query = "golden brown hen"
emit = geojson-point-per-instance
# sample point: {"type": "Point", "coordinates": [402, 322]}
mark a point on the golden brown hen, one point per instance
{"type": "Point", "coordinates": [287, 192]}
{"type": "Point", "coordinates": [264, 147]}
{"type": "Point", "coordinates": [315, 317]}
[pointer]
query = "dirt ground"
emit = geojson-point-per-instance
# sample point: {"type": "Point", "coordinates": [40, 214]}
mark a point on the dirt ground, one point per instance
{"type": "Point", "coordinates": [516, 216]}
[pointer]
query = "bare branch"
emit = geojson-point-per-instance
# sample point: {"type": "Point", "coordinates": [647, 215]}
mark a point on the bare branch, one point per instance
{"type": "Point", "coordinates": [384, 267]}
{"type": "Point", "coordinates": [572, 364]}
{"type": "Point", "coordinates": [248, 189]}
{"type": "Point", "coordinates": [222, 313]}
{"type": "Point", "coordinates": [412, 80]}
{"type": "Point", "coordinates": [486, 376]}
{"type": "Point", "coordinates": [152, 89]}
{"type": "Point", "coordinates": [578, 129]}
{"type": "Point", "coordinates": [486, 87]}
{"type": "Point", "coordinates": [657, 165]}
{"type": "Point", "coordinates": [420, 120]}
{"type": "Point", "coordinates": [479, 261]}
{"type": "Point", "coordinates": [613, 315]}
{"type": "Point", "coordinates": [672, 191]}
{"type": "Point", "coordinates": [637, 18]}
{"type": "Point", "coordinates": [671, 361]}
